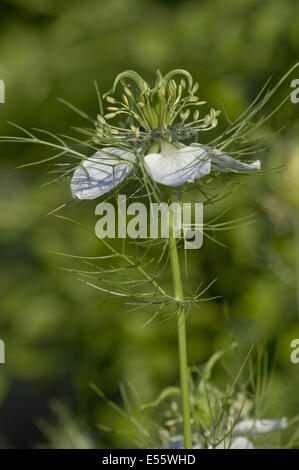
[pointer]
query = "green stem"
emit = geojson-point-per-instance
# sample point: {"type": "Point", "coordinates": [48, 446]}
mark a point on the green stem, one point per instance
{"type": "Point", "coordinates": [181, 317]}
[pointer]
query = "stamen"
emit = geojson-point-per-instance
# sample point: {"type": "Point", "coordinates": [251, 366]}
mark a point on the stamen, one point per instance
{"type": "Point", "coordinates": [152, 114]}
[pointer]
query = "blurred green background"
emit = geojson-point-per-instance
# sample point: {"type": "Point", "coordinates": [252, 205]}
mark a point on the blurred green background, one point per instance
{"type": "Point", "coordinates": [61, 335]}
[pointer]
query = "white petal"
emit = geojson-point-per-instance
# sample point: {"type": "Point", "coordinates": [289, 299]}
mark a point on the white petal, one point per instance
{"type": "Point", "coordinates": [236, 443]}
{"type": "Point", "coordinates": [175, 167]}
{"type": "Point", "coordinates": [241, 443]}
{"type": "Point", "coordinates": [179, 444]}
{"type": "Point", "coordinates": [197, 446]}
{"type": "Point", "coordinates": [259, 426]}
{"type": "Point", "coordinates": [101, 172]}
{"type": "Point", "coordinates": [226, 163]}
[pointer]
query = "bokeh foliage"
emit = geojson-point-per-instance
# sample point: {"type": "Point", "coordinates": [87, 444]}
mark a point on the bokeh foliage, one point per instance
{"type": "Point", "coordinates": [61, 335]}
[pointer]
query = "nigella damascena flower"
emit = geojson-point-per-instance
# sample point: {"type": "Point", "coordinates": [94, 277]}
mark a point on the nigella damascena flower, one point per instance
{"type": "Point", "coordinates": [158, 123]}
{"type": "Point", "coordinates": [241, 433]}
{"type": "Point", "coordinates": [251, 427]}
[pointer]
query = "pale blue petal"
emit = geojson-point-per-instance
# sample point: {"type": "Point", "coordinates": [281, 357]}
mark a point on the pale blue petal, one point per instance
{"type": "Point", "coordinates": [225, 163]}
{"type": "Point", "coordinates": [259, 426]}
{"type": "Point", "coordinates": [101, 172]}
{"type": "Point", "coordinates": [236, 443]}
{"type": "Point", "coordinates": [178, 166]}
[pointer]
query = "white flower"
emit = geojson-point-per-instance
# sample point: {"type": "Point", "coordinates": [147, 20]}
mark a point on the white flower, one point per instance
{"type": "Point", "coordinates": [259, 426]}
{"type": "Point", "coordinates": [237, 440]}
{"type": "Point", "coordinates": [236, 443]}
{"type": "Point", "coordinates": [251, 427]}
{"type": "Point", "coordinates": [174, 165]}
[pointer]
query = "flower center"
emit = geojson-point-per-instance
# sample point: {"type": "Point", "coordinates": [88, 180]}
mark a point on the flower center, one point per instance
{"type": "Point", "coordinates": [167, 111]}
